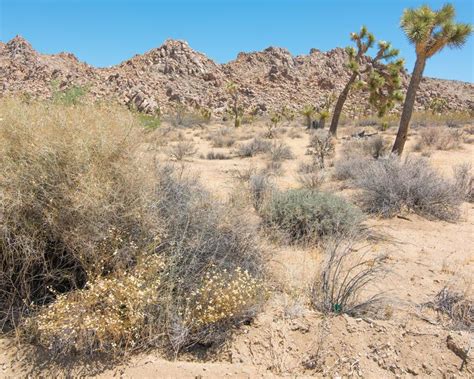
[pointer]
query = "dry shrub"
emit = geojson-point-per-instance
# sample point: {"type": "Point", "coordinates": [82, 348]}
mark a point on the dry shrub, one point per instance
{"type": "Point", "coordinates": [306, 216]}
{"type": "Point", "coordinates": [67, 177]}
{"type": "Point", "coordinates": [321, 147]}
{"type": "Point", "coordinates": [439, 138]}
{"type": "Point", "coordinates": [392, 185]}
{"type": "Point", "coordinates": [182, 149]}
{"type": "Point", "coordinates": [212, 155]}
{"type": "Point", "coordinates": [373, 146]}
{"type": "Point", "coordinates": [348, 271]}
{"type": "Point", "coordinates": [280, 152]}
{"type": "Point", "coordinates": [457, 305]}
{"type": "Point", "coordinates": [464, 181]}
{"type": "Point", "coordinates": [223, 137]}
{"type": "Point", "coordinates": [109, 315]}
{"type": "Point", "coordinates": [199, 233]}
{"type": "Point", "coordinates": [310, 175]}
{"type": "Point", "coordinates": [254, 147]}
{"type": "Point", "coordinates": [222, 295]}
{"type": "Point", "coordinates": [348, 167]}
{"type": "Point", "coordinates": [260, 187]}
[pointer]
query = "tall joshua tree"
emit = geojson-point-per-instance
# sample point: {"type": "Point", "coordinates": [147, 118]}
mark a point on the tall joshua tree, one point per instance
{"type": "Point", "coordinates": [430, 31]}
{"type": "Point", "coordinates": [381, 79]}
{"type": "Point", "coordinates": [235, 109]}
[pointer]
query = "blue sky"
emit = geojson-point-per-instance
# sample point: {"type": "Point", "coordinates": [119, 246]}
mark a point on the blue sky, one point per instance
{"type": "Point", "coordinates": [106, 32]}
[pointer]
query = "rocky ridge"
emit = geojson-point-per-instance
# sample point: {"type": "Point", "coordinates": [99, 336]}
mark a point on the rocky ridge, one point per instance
{"type": "Point", "coordinates": [175, 73]}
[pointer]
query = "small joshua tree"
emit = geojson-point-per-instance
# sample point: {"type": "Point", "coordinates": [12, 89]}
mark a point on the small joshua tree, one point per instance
{"type": "Point", "coordinates": [324, 110]}
{"type": "Point", "coordinates": [381, 80]}
{"type": "Point", "coordinates": [430, 31]}
{"type": "Point", "coordinates": [275, 119]}
{"type": "Point", "coordinates": [308, 112]}
{"type": "Point", "coordinates": [235, 109]}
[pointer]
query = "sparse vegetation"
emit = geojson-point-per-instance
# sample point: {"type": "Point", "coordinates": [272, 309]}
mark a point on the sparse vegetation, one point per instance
{"type": "Point", "coordinates": [457, 304]}
{"type": "Point", "coordinates": [344, 276]}
{"type": "Point", "coordinates": [307, 216]}
{"type": "Point", "coordinates": [321, 147]}
{"type": "Point", "coordinates": [254, 147]}
{"type": "Point", "coordinates": [439, 138]}
{"type": "Point", "coordinates": [182, 149]}
{"type": "Point", "coordinates": [390, 186]}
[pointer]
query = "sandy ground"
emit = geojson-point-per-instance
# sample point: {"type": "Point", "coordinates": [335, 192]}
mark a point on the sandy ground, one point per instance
{"type": "Point", "coordinates": [290, 339]}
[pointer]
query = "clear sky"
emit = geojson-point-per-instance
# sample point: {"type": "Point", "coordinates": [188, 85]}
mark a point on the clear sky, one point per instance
{"type": "Point", "coordinates": [106, 32]}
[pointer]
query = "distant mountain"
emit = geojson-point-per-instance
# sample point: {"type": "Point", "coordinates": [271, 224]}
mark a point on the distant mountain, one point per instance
{"type": "Point", "coordinates": [175, 73]}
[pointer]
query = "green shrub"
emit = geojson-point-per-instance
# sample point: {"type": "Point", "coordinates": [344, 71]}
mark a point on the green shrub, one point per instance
{"type": "Point", "coordinates": [305, 215]}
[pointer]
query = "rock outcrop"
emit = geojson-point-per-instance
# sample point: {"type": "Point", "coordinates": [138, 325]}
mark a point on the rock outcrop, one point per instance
{"type": "Point", "coordinates": [175, 73]}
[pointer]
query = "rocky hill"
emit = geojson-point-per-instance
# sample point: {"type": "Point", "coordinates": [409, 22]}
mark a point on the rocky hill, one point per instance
{"type": "Point", "coordinates": [175, 73]}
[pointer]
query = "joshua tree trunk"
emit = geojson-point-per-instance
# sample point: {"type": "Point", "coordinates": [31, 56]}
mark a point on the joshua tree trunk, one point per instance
{"type": "Point", "coordinates": [340, 103]}
{"type": "Point", "coordinates": [408, 105]}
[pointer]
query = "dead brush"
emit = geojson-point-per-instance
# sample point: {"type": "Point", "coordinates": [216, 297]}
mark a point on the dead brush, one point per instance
{"type": "Point", "coordinates": [68, 175]}
{"type": "Point", "coordinates": [223, 137]}
{"type": "Point", "coordinates": [439, 138]}
{"type": "Point", "coordinates": [321, 147]}
{"type": "Point", "coordinates": [457, 305]}
{"type": "Point", "coordinates": [182, 150]}
{"type": "Point", "coordinates": [348, 271]}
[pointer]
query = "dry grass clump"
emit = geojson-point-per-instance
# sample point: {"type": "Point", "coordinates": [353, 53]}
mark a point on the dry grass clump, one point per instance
{"type": "Point", "coordinates": [213, 155]}
{"type": "Point", "coordinates": [439, 138]}
{"type": "Point", "coordinates": [348, 271]}
{"type": "Point", "coordinates": [373, 146]}
{"type": "Point", "coordinates": [310, 175]}
{"type": "Point", "coordinates": [109, 315]}
{"type": "Point", "coordinates": [223, 137]}
{"type": "Point", "coordinates": [457, 305]}
{"type": "Point", "coordinates": [280, 152]}
{"type": "Point", "coordinates": [306, 216]}
{"type": "Point", "coordinates": [260, 188]}
{"type": "Point", "coordinates": [67, 177]}
{"type": "Point", "coordinates": [392, 185]}
{"type": "Point", "coordinates": [254, 147]}
{"type": "Point", "coordinates": [464, 181]}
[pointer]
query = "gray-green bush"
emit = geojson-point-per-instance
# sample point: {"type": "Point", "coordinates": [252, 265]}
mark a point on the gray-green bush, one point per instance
{"type": "Point", "coordinates": [304, 215]}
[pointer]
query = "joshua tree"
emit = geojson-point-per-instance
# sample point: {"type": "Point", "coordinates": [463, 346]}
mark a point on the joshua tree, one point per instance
{"type": "Point", "coordinates": [308, 112]}
{"type": "Point", "coordinates": [430, 31]}
{"type": "Point", "coordinates": [235, 109]}
{"type": "Point", "coordinates": [382, 80]}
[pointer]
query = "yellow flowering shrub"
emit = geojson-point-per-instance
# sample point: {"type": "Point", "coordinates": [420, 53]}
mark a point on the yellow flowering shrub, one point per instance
{"type": "Point", "coordinates": [223, 295]}
{"type": "Point", "coordinates": [108, 315]}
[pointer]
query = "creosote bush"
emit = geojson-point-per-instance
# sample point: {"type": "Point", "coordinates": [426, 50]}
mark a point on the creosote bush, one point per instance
{"type": "Point", "coordinates": [67, 177]}
{"type": "Point", "coordinates": [306, 216]}
{"type": "Point", "coordinates": [392, 185]}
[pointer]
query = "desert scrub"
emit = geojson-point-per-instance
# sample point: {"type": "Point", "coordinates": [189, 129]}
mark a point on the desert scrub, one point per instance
{"type": "Point", "coordinates": [392, 185]}
{"type": "Point", "coordinates": [222, 295]}
{"type": "Point", "coordinates": [305, 215]}
{"type": "Point", "coordinates": [199, 233]}
{"type": "Point", "coordinates": [439, 138]}
{"type": "Point", "coordinates": [254, 147]}
{"type": "Point", "coordinates": [344, 276]}
{"type": "Point", "coordinates": [67, 177]}
{"type": "Point", "coordinates": [109, 315]}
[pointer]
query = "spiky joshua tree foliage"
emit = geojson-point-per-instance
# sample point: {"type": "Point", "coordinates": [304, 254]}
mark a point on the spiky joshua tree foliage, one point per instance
{"type": "Point", "coordinates": [235, 109]}
{"type": "Point", "coordinates": [429, 31]}
{"type": "Point", "coordinates": [380, 75]}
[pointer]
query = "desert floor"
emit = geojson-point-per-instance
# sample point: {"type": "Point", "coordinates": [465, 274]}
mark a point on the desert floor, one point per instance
{"type": "Point", "coordinates": [288, 338]}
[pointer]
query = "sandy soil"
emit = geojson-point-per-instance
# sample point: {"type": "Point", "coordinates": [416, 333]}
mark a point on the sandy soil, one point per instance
{"type": "Point", "coordinates": [290, 339]}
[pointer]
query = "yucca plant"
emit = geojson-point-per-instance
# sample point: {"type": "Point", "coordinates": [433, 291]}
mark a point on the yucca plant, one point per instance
{"type": "Point", "coordinates": [308, 112]}
{"type": "Point", "coordinates": [429, 31]}
{"type": "Point", "coordinates": [382, 80]}
{"type": "Point", "coordinates": [235, 109]}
